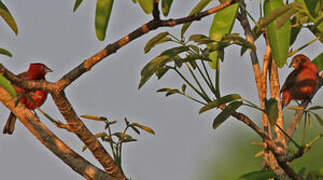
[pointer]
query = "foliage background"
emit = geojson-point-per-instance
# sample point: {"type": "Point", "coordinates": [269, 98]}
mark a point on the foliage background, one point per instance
{"type": "Point", "coordinates": [185, 146]}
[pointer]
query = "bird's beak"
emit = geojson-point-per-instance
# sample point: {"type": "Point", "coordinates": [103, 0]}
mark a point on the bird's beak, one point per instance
{"type": "Point", "coordinates": [47, 69]}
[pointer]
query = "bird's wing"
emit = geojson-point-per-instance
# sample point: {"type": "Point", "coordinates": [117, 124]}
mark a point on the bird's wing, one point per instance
{"type": "Point", "coordinates": [24, 75]}
{"type": "Point", "coordinates": [290, 80]}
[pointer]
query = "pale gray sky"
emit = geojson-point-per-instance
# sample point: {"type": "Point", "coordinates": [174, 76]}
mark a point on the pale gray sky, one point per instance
{"type": "Point", "coordinates": [50, 33]}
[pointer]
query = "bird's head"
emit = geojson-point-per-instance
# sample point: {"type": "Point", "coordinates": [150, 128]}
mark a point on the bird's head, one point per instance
{"type": "Point", "coordinates": [38, 70]}
{"type": "Point", "coordinates": [299, 61]}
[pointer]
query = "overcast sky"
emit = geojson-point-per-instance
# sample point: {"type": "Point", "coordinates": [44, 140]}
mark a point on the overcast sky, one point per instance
{"type": "Point", "coordinates": [49, 32]}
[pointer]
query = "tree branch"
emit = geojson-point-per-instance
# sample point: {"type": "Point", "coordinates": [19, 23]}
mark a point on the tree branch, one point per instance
{"type": "Point", "coordinates": [51, 141]}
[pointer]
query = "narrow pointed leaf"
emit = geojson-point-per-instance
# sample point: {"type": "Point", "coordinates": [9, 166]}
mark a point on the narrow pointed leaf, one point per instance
{"type": "Point", "coordinates": [318, 118]}
{"type": "Point", "coordinates": [146, 5]}
{"type": "Point", "coordinates": [198, 8]}
{"type": "Point", "coordinates": [166, 4]}
{"type": "Point", "coordinates": [258, 175]}
{"type": "Point", "coordinates": [5, 52]}
{"type": "Point", "coordinates": [271, 109]}
{"type": "Point", "coordinates": [6, 15]}
{"type": "Point", "coordinates": [315, 108]}
{"type": "Point", "coordinates": [145, 128]}
{"type": "Point", "coordinates": [226, 113]}
{"type": "Point", "coordinates": [77, 4]}
{"type": "Point", "coordinates": [5, 83]}
{"type": "Point", "coordinates": [102, 16]}
{"type": "Point", "coordinates": [318, 61]}
{"type": "Point", "coordinates": [96, 118]}
{"type": "Point", "coordinates": [279, 39]}
{"type": "Point", "coordinates": [223, 100]}
{"type": "Point", "coordinates": [154, 41]}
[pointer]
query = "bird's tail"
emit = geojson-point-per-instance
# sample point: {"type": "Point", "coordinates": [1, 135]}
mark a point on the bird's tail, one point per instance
{"type": "Point", "coordinates": [10, 125]}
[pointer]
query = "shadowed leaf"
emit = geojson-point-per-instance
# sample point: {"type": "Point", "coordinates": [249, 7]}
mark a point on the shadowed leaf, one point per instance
{"type": "Point", "coordinates": [318, 61]}
{"type": "Point", "coordinates": [226, 113]}
{"type": "Point", "coordinates": [166, 4]}
{"type": "Point", "coordinates": [271, 109]}
{"type": "Point", "coordinates": [159, 38]}
{"type": "Point", "coordinates": [258, 175]}
{"type": "Point", "coordinates": [5, 52]}
{"type": "Point", "coordinates": [77, 4]}
{"type": "Point", "coordinates": [223, 100]}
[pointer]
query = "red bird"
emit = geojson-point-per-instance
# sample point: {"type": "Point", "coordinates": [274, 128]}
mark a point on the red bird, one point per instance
{"type": "Point", "coordinates": [36, 71]}
{"type": "Point", "coordinates": [301, 82]}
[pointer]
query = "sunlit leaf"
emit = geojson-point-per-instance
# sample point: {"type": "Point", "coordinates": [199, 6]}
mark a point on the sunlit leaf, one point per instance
{"type": "Point", "coordinates": [5, 52]}
{"type": "Point", "coordinates": [5, 83]}
{"type": "Point", "coordinates": [166, 4]}
{"type": "Point", "coordinates": [145, 128]}
{"type": "Point", "coordinates": [279, 39]}
{"type": "Point", "coordinates": [222, 24]}
{"type": "Point", "coordinates": [159, 38]}
{"type": "Point", "coordinates": [146, 5]}
{"type": "Point", "coordinates": [96, 118]}
{"type": "Point", "coordinates": [258, 175]}
{"type": "Point", "coordinates": [77, 4]}
{"type": "Point", "coordinates": [102, 16]}
{"type": "Point", "coordinates": [198, 8]}
{"type": "Point", "coordinates": [318, 61]}
{"type": "Point", "coordinates": [226, 113]}
{"type": "Point", "coordinates": [223, 100]}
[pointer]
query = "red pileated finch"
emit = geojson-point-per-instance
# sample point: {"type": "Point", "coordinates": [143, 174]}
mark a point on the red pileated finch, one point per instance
{"type": "Point", "coordinates": [36, 71]}
{"type": "Point", "coordinates": [301, 82]}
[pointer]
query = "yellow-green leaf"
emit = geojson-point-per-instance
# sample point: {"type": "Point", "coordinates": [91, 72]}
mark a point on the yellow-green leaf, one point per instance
{"type": "Point", "coordinates": [96, 118]}
{"type": "Point", "coordinates": [5, 83]}
{"type": "Point", "coordinates": [222, 24]}
{"type": "Point", "coordinates": [156, 40]}
{"type": "Point", "coordinates": [145, 128]}
{"type": "Point", "coordinates": [279, 39]}
{"type": "Point", "coordinates": [6, 15]}
{"type": "Point", "coordinates": [271, 109]}
{"type": "Point", "coordinates": [318, 61]}
{"type": "Point", "coordinates": [102, 16]}
{"type": "Point", "coordinates": [146, 5]}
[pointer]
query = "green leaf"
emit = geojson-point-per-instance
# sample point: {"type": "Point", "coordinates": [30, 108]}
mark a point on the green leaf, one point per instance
{"type": "Point", "coordinates": [198, 8]}
{"type": "Point", "coordinates": [222, 24]}
{"type": "Point", "coordinates": [315, 108]}
{"type": "Point", "coordinates": [258, 175]}
{"type": "Point", "coordinates": [314, 7]}
{"type": "Point", "coordinates": [318, 118]}
{"type": "Point", "coordinates": [271, 109]}
{"type": "Point", "coordinates": [223, 100]}
{"type": "Point", "coordinates": [6, 15]}
{"type": "Point", "coordinates": [226, 113]}
{"type": "Point", "coordinates": [5, 52]}
{"type": "Point", "coordinates": [145, 128]}
{"type": "Point", "coordinates": [183, 88]}
{"type": "Point", "coordinates": [166, 4]}
{"type": "Point", "coordinates": [146, 5]}
{"type": "Point", "coordinates": [279, 39]}
{"type": "Point", "coordinates": [318, 61]}
{"type": "Point", "coordinates": [77, 4]}
{"type": "Point", "coordinates": [159, 38]}
{"type": "Point", "coordinates": [102, 16]}
{"type": "Point", "coordinates": [5, 83]}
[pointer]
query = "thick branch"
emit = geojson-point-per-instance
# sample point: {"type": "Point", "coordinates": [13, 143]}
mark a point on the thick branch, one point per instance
{"type": "Point", "coordinates": [51, 141]}
{"type": "Point", "coordinates": [77, 126]}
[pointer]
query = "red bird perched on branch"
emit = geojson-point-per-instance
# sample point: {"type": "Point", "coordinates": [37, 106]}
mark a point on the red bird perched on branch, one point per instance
{"type": "Point", "coordinates": [36, 71]}
{"type": "Point", "coordinates": [301, 82]}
